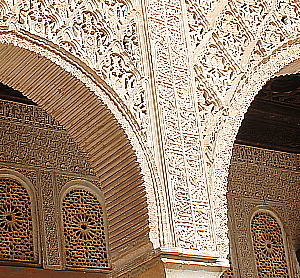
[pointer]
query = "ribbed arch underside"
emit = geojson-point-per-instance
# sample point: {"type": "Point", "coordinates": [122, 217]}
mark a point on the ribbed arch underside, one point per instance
{"type": "Point", "coordinates": [96, 130]}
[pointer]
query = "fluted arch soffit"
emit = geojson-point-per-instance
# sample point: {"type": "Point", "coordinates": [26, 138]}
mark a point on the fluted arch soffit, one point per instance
{"type": "Point", "coordinates": [72, 93]}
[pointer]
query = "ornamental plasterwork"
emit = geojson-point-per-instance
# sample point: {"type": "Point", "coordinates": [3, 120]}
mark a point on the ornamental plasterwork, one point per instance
{"type": "Point", "coordinates": [232, 43]}
{"type": "Point", "coordinates": [16, 222]}
{"type": "Point", "coordinates": [95, 32]}
{"type": "Point", "coordinates": [107, 96]}
{"type": "Point", "coordinates": [190, 210]}
{"type": "Point", "coordinates": [268, 245]}
{"type": "Point", "coordinates": [263, 180]}
{"type": "Point", "coordinates": [218, 64]}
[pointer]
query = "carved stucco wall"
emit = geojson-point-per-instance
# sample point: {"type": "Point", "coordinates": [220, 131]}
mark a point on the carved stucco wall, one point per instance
{"type": "Point", "coordinates": [186, 72]}
{"type": "Point", "coordinates": [35, 145]}
{"type": "Point", "coordinates": [267, 181]}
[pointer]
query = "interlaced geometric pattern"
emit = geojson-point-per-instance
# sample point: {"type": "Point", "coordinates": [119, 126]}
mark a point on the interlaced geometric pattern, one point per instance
{"type": "Point", "coordinates": [84, 233]}
{"type": "Point", "coordinates": [268, 246]}
{"type": "Point", "coordinates": [16, 233]}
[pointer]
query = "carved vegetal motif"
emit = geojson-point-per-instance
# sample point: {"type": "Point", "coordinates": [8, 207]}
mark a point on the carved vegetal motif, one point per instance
{"type": "Point", "coordinates": [252, 12]}
{"type": "Point", "coordinates": [84, 232]}
{"type": "Point", "coordinates": [268, 246]}
{"type": "Point", "coordinates": [207, 6]}
{"type": "Point", "coordinates": [210, 112]}
{"type": "Point", "coordinates": [197, 26]}
{"type": "Point", "coordinates": [232, 34]}
{"type": "Point", "coordinates": [288, 13]}
{"type": "Point", "coordinates": [131, 44]}
{"type": "Point", "coordinates": [87, 29]}
{"type": "Point", "coordinates": [180, 127]}
{"type": "Point", "coordinates": [273, 34]}
{"type": "Point", "coordinates": [216, 69]}
{"type": "Point", "coordinates": [32, 137]}
{"type": "Point", "coordinates": [125, 80]}
{"type": "Point", "coordinates": [16, 227]}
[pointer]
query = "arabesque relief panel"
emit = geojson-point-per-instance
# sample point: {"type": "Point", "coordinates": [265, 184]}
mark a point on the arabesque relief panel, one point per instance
{"type": "Point", "coordinates": [179, 67]}
{"type": "Point", "coordinates": [267, 179]}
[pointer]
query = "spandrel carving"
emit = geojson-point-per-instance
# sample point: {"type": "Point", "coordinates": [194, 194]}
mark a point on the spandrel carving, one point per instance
{"type": "Point", "coordinates": [216, 69]}
{"type": "Point", "coordinates": [87, 29]}
{"type": "Point", "coordinates": [289, 16]}
{"type": "Point", "coordinates": [232, 34]}
{"type": "Point", "coordinates": [252, 12]}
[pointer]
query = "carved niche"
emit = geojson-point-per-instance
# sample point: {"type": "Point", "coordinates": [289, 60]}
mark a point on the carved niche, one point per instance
{"type": "Point", "coordinates": [268, 245]}
{"type": "Point", "coordinates": [84, 231]}
{"type": "Point", "coordinates": [16, 223]}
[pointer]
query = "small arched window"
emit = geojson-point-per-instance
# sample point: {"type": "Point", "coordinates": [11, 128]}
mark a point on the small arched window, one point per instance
{"type": "Point", "coordinates": [269, 246]}
{"type": "Point", "coordinates": [17, 223]}
{"type": "Point", "coordinates": [84, 229]}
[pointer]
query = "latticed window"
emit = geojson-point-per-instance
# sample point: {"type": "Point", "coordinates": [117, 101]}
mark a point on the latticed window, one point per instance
{"type": "Point", "coordinates": [16, 227]}
{"type": "Point", "coordinates": [268, 246]}
{"type": "Point", "coordinates": [84, 230]}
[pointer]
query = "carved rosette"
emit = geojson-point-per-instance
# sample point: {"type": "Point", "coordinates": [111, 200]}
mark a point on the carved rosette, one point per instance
{"type": "Point", "coordinates": [268, 246]}
{"type": "Point", "coordinates": [84, 232]}
{"type": "Point", "coordinates": [16, 227]}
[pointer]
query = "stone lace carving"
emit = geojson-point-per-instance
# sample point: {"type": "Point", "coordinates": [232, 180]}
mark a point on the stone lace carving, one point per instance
{"type": "Point", "coordinates": [211, 111]}
{"type": "Point", "coordinates": [288, 14]}
{"type": "Point", "coordinates": [84, 233]}
{"type": "Point", "coordinates": [239, 36]}
{"type": "Point", "coordinates": [232, 34]}
{"type": "Point", "coordinates": [197, 24]}
{"type": "Point", "coordinates": [89, 30]}
{"type": "Point", "coordinates": [43, 135]}
{"type": "Point", "coordinates": [261, 177]}
{"type": "Point", "coordinates": [252, 12]}
{"type": "Point", "coordinates": [180, 127]}
{"type": "Point", "coordinates": [216, 69]}
{"type": "Point", "coordinates": [16, 227]}
{"type": "Point", "coordinates": [207, 6]}
{"type": "Point", "coordinates": [268, 246]}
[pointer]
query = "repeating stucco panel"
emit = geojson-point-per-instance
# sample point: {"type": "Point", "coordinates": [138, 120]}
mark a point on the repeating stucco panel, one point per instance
{"type": "Point", "coordinates": [180, 128]}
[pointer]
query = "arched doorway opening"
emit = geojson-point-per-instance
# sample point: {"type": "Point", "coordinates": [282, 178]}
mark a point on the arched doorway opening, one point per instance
{"type": "Point", "coordinates": [97, 132]}
{"type": "Point", "coordinates": [264, 176]}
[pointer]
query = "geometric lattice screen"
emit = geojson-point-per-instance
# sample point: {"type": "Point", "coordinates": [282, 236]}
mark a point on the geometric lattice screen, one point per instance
{"type": "Point", "coordinates": [84, 233]}
{"type": "Point", "coordinates": [268, 246]}
{"type": "Point", "coordinates": [16, 232]}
